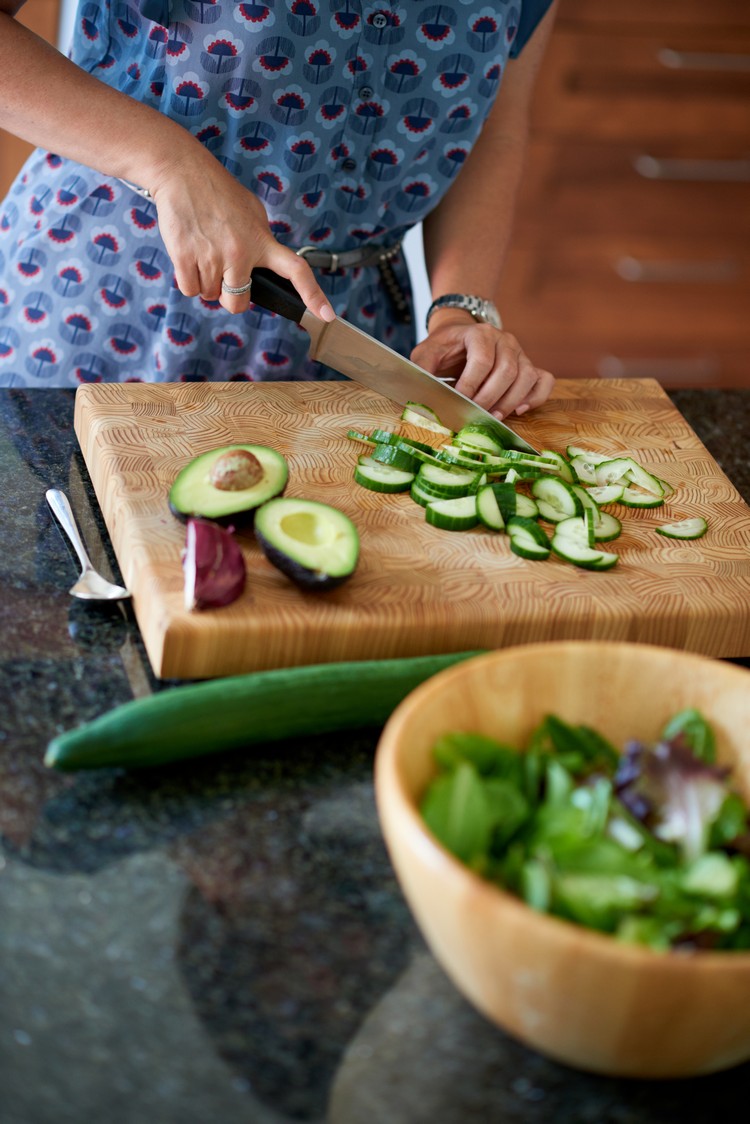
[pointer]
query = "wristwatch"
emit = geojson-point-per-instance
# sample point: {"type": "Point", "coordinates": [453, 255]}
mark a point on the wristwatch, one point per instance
{"type": "Point", "coordinates": [482, 310]}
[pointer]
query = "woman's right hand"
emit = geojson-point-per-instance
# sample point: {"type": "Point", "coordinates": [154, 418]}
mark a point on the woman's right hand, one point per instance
{"type": "Point", "coordinates": [215, 230]}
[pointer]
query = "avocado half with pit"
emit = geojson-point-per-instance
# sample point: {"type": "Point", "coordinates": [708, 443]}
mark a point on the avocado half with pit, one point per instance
{"type": "Point", "coordinates": [229, 483]}
{"type": "Point", "coordinates": [314, 544]}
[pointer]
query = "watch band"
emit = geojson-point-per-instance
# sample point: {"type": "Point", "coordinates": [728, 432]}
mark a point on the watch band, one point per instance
{"type": "Point", "coordinates": [482, 310]}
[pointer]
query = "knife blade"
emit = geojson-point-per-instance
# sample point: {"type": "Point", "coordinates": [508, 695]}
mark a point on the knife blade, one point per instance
{"type": "Point", "coordinates": [373, 364]}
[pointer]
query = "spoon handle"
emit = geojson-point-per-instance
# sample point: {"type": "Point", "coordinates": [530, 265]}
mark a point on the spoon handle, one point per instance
{"type": "Point", "coordinates": [58, 501]}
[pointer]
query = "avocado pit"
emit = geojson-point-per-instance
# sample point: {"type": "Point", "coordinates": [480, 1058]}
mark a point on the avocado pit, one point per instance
{"type": "Point", "coordinates": [236, 470]}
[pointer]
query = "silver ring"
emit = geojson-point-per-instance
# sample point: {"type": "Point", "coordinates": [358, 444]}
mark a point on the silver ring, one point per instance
{"type": "Point", "coordinates": [236, 291]}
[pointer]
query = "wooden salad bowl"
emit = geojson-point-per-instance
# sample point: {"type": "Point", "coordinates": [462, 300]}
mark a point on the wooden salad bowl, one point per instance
{"type": "Point", "coordinates": [576, 995]}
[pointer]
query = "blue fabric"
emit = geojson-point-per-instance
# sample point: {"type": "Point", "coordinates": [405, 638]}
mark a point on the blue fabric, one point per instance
{"type": "Point", "coordinates": [349, 118]}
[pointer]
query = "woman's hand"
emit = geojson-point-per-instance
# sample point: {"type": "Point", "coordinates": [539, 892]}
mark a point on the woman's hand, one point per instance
{"type": "Point", "coordinates": [488, 364]}
{"type": "Point", "coordinates": [215, 230]}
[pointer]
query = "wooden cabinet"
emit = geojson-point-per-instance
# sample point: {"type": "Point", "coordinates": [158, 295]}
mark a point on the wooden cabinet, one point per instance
{"type": "Point", "coordinates": [42, 17]}
{"type": "Point", "coordinates": [632, 247]}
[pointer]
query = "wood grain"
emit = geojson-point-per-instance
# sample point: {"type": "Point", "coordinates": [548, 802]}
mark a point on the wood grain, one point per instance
{"type": "Point", "coordinates": [417, 589]}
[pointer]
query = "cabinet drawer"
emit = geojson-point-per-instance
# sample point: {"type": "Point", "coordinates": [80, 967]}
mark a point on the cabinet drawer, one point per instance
{"type": "Point", "coordinates": [671, 365]}
{"type": "Point", "coordinates": [662, 189]}
{"type": "Point", "coordinates": [654, 293]}
{"type": "Point", "coordinates": [644, 13]}
{"type": "Point", "coordinates": [676, 84]}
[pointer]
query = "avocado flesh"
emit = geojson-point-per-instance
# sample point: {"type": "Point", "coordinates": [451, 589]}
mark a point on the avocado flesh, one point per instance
{"type": "Point", "coordinates": [314, 544]}
{"type": "Point", "coordinates": [193, 494]}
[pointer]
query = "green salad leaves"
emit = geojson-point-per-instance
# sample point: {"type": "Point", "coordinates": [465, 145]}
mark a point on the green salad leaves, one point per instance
{"type": "Point", "coordinates": [651, 845]}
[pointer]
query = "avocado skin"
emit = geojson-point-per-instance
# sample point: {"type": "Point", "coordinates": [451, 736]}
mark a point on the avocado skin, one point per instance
{"type": "Point", "coordinates": [303, 576]}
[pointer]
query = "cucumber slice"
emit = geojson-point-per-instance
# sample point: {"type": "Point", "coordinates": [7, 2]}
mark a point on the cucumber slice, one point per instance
{"type": "Point", "coordinates": [631, 497]}
{"type": "Point", "coordinates": [527, 539]}
{"type": "Point", "coordinates": [585, 497]}
{"type": "Point", "coordinates": [643, 479]}
{"type": "Point", "coordinates": [588, 454]}
{"type": "Point", "coordinates": [613, 472]}
{"type": "Point", "coordinates": [526, 507]}
{"type": "Point", "coordinates": [354, 435]}
{"type": "Point", "coordinates": [448, 481]}
{"type": "Point", "coordinates": [382, 477]}
{"type": "Point", "coordinates": [607, 493]}
{"type": "Point", "coordinates": [396, 456]}
{"type": "Point", "coordinates": [479, 437]}
{"type": "Point", "coordinates": [459, 514]}
{"type": "Point", "coordinates": [416, 413]}
{"type": "Point", "coordinates": [562, 467]}
{"type": "Point", "coordinates": [488, 509]}
{"type": "Point", "coordinates": [584, 469]}
{"type": "Point", "coordinates": [555, 499]}
{"type": "Point", "coordinates": [570, 550]}
{"type": "Point", "coordinates": [693, 528]}
{"type": "Point", "coordinates": [606, 530]}
{"type": "Point", "coordinates": [422, 495]}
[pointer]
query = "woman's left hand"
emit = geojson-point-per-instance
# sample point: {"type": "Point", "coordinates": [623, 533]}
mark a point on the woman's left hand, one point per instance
{"type": "Point", "coordinates": [489, 364]}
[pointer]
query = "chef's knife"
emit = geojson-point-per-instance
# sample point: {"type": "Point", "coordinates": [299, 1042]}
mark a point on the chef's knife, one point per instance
{"type": "Point", "coordinates": [367, 361]}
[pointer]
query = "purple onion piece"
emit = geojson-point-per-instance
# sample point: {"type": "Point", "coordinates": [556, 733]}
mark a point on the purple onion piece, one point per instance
{"type": "Point", "coordinates": [213, 565]}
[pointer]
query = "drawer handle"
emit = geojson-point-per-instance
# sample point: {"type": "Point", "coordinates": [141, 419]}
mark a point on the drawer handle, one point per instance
{"type": "Point", "coordinates": [635, 270]}
{"type": "Point", "coordinates": [710, 171]}
{"type": "Point", "coordinates": [702, 60]}
{"type": "Point", "coordinates": [700, 369]}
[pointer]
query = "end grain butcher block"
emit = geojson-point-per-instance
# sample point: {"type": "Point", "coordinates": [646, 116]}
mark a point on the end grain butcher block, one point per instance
{"type": "Point", "coordinates": [417, 589]}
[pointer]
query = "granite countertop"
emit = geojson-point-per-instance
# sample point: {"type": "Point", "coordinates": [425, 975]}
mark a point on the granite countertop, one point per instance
{"type": "Point", "coordinates": [225, 940]}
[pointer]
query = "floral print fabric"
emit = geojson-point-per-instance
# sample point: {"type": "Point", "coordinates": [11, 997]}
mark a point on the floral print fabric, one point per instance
{"type": "Point", "coordinates": [350, 119]}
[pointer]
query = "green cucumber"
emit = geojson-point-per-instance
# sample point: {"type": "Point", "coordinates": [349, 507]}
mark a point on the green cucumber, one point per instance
{"type": "Point", "coordinates": [458, 514]}
{"type": "Point", "coordinates": [694, 528]}
{"type": "Point", "coordinates": [571, 550]}
{"type": "Point", "coordinates": [488, 509]}
{"type": "Point", "coordinates": [632, 497]}
{"type": "Point", "coordinates": [555, 499]}
{"type": "Point", "coordinates": [527, 539]}
{"type": "Point", "coordinates": [244, 710]}
{"type": "Point", "coordinates": [378, 477]}
{"type": "Point", "coordinates": [395, 456]}
{"type": "Point", "coordinates": [446, 481]}
{"type": "Point", "coordinates": [416, 413]}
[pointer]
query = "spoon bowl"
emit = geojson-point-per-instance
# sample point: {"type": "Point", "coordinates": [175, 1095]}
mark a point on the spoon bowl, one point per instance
{"type": "Point", "coordinates": [91, 585]}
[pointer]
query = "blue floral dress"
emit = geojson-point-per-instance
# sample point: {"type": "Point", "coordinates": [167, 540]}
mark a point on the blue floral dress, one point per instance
{"type": "Point", "coordinates": [348, 118]}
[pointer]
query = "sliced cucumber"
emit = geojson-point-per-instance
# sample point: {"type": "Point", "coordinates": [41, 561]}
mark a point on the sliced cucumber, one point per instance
{"type": "Point", "coordinates": [607, 493]}
{"type": "Point", "coordinates": [588, 454]}
{"type": "Point", "coordinates": [416, 413]}
{"type": "Point", "coordinates": [587, 502]}
{"type": "Point", "coordinates": [555, 499]}
{"type": "Point", "coordinates": [693, 528]}
{"type": "Point", "coordinates": [526, 507]}
{"type": "Point", "coordinates": [481, 438]}
{"type": "Point", "coordinates": [396, 456]}
{"type": "Point", "coordinates": [584, 469]}
{"type": "Point", "coordinates": [458, 514]}
{"type": "Point", "coordinates": [354, 435]}
{"type": "Point", "coordinates": [571, 550]}
{"type": "Point", "coordinates": [382, 477]}
{"type": "Point", "coordinates": [562, 467]}
{"type": "Point", "coordinates": [488, 509]}
{"type": "Point", "coordinates": [606, 530]}
{"type": "Point", "coordinates": [643, 479]}
{"type": "Point", "coordinates": [632, 497]}
{"type": "Point", "coordinates": [527, 539]}
{"type": "Point", "coordinates": [422, 495]}
{"type": "Point", "coordinates": [613, 472]}
{"type": "Point", "coordinates": [447, 481]}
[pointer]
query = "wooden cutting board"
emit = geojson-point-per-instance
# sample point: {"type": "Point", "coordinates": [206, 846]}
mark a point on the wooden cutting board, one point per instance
{"type": "Point", "coordinates": [417, 589]}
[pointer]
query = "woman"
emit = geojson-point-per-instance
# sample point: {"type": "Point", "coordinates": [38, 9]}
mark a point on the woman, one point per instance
{"type": "Point", "coordinates": [188, 141]}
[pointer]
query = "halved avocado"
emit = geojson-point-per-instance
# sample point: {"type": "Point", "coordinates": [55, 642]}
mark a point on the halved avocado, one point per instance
{"type": "Point", "coordinates": [314, 544]}
{"type": "Point", "coordinates": [228, 483]}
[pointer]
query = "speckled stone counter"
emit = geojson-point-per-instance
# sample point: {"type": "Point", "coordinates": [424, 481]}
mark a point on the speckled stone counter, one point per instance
{"type": "Point", "coordinates": [225, 940]}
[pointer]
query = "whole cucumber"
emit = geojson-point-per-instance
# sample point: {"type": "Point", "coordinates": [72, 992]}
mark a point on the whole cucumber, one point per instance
{"type": "Point", "coordinates": [242, 710]}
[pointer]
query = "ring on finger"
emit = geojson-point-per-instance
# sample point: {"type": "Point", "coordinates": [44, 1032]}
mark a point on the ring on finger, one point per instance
{"type": "Point", "coordinates": [236, 290]}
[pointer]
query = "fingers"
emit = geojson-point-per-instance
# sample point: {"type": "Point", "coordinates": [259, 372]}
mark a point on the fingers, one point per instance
{"type": "Point", "coordinates": [496, 374]}
{"type": "Point", "coordinates": [290, 265]}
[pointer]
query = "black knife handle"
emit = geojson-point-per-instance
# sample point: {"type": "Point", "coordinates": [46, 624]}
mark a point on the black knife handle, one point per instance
{"type": "Point", "coordinates": [276, 294]}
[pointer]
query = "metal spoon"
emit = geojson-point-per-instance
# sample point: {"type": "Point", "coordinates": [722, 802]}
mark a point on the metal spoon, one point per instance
{"type": "Point", "coordinates": [91, 586]}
